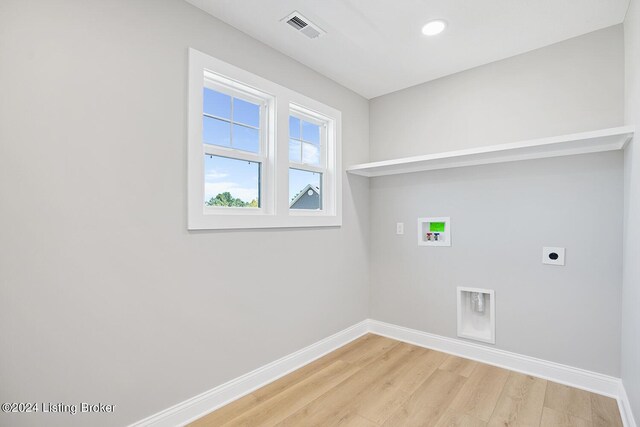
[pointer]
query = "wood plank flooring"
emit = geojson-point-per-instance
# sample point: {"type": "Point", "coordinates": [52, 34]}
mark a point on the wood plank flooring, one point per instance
{"type": "Point", "coordinates": [376, 381]}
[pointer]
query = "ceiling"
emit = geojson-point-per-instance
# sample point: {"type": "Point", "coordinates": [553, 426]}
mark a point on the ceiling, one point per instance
{"type": "Point", "coordinates": [375, 47]}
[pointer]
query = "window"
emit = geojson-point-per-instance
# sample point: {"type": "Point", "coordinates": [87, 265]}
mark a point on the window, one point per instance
{"type": "Point", "coordinates": [232, 136]}
{"type": "Point", "coordinates": [231, 182]}
{"type": "Point", "coordinates": [230, 122]}
{"type": "Point", "coordinates": [307, 144]}
{"type": "Point", "coordinates": [260, 155]}
{"type": "Point", "coordinates": [305, 189]}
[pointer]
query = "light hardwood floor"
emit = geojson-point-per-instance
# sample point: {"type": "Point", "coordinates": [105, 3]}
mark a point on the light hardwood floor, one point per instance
{"type": "Point", "coordinates": [376, 381]}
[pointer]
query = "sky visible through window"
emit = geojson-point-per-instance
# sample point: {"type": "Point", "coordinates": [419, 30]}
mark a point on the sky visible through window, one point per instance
{"type": "Point", "coordinates": [238, 177]}
{"type": "Point", "coordinates": [230, 122]}
{"type": "Point", "coordinates": [233, 122]}
{"type": "Point", "coordinates": [304, 141]}
{"type": "Point", "coordinates": [241, 178]}
{"type": "Point", "coordinates": [219, 105]}
{"type": "Point", "coordinates": [304, 147]}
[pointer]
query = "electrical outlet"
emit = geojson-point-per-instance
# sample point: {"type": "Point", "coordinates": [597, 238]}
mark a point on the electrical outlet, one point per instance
{"type": "Point", "coordinates": [553, 256]}
{"type": "Point", "coordinates": [400, 228]}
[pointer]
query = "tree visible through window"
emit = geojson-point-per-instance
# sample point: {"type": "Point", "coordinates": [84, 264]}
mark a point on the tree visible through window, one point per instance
{"type": "Point", "coordinates": [246, 167]}
{"type": "Point", "coordinates": [231, 179]}
{"type": "Point", "coordinates": [231, 182]}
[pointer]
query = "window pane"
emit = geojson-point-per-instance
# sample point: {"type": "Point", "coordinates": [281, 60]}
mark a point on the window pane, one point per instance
{"type": "Point", "coordinates": [294, 127]}
{"type": "Point", "coordinates": [217, 104]}
{"type": "Point", "coordinates": [310, 132]}
{"type": "Point", "coordinates": [216, 132]}
{"type": "Point", "coordinates": [231, 182]}
{"type": "Point", "coordinates": [295, 151]}
{"type": "Point", "coordinates": [310, 154]}
{"type": "Point", "coordinates": [304, 189]}
{"type": "Point", "coordinates": [247, 139]}
{"type": "Point", "coordinates": [246, 112]}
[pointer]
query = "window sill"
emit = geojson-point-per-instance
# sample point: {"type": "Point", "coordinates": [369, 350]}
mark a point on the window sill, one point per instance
{"type": "Point", "coordinates": [230, 222]}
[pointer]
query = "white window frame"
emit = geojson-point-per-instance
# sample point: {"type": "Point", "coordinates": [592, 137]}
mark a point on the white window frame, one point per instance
{"type": "Point", "coordinates": [265, 102]}
{"type": "Point", "coordinates": [276, 104]}
{"type": "Point", "coordinates": [327, 135]}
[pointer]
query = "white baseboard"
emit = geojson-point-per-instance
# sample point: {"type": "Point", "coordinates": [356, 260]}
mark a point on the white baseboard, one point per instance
{"type": "Point", "coordinates": [198, 406]}
{"type": "Point", "coordinates": [563, 374]}
{"type": "Point", "coordinates": [574, 377]}
{"type": "Point", "coordinates": [217, 397]}
{"type": "Point", "coordinates": [625, 408]}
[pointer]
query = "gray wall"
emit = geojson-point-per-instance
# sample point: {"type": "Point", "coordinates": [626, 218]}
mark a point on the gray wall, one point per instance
{"type": "Point", "coordinates": [104, 295]}
{"type": "Point", "coordinates": [572, 86]}
{"type": "Point", "coordinates": [555, 313]}
{"type": "Point", "coordinates": [502, 215]}
{"type": "Point", "coordinates": [631, 274]}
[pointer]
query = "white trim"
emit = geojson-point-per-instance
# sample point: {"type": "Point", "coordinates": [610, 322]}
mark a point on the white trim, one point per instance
{"type": "Point", "coordinates": [625, 407]}
{"type": "Point", "coordinates": [563, 374]}
{"type": "Point", "coordinates": [556, 146]}
{"type": "Point", "coordinates": [202, 404]}
{"type": "Point", "coordinates": [198, 406]}
{"type": "Point", "coordinates": [278, 100]}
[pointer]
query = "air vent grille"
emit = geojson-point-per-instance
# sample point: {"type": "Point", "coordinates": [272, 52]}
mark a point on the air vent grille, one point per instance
{"type": "Point", "coordinates": [297, 23]}
{"type": "Point", "coordinates": [303, 25]}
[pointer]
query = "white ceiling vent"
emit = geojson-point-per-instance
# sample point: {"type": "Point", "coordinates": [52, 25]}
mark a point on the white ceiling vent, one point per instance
{"type": "Point", "coordinates": [302, 24]}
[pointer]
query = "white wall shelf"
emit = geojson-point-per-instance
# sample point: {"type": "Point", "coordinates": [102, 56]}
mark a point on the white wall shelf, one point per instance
{"type": "Point", "coordinates": [556, 146]}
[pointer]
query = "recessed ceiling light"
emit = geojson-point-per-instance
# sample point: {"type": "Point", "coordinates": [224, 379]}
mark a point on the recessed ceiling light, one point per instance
{"type": "Point", "coordinates": [434, 27]}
